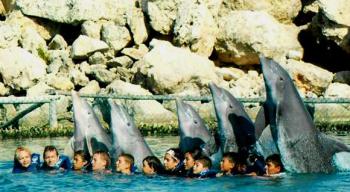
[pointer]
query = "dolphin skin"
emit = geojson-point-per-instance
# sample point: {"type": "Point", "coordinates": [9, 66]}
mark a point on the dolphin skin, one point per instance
{"type": "Point", "coordinates": [302, 147]}
{"type": "Point", "coordinates": [126, 136]}
{"type": "Point", "coordinates": [194, 134]}
{"type": "Point", "coordinates": [236, 129]}
{"type": "Point", "coordinates": [89, 135]}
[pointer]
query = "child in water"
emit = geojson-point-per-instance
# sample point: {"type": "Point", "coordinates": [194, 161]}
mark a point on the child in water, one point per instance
{"type": "Point", "coordinates": [24, 161]}
{"type": "Point", "coordinates": [80, 161]}
{"type": "Point", "coordinates": [54, 161]}
{"type": "Point", "coordinates": [152, 166]}
{"type": "Point", "coordinates": [274, 165]}
{"type": "Point", "coordinates": [228, 164]}
{"type": "Point", "coordinates": [125, 164]}
{"type": "Point", "coordinates": [202, 166]}
{"type": "Point", "coordinates": [190, 158]}
{"type": "Point", "coordinates": [173, 162]}
{"type": "Point", "coordinates": [101, 162]}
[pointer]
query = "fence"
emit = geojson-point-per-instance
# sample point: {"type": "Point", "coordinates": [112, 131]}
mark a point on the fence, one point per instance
{"type": "Point", "coordinates": [53, 96]}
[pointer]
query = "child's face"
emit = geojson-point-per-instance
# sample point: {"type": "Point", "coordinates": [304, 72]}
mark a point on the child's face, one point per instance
{"type": "Point", "coordinates": [98, 163]}
{"type": "Point", "coordinates": [51, 158]}
{"type": "Point", "coordinates": [226, 165]}
{"type": "Point", "coordinates": [189, 161]}
{"type": "Point", "coordinates": [272, 168]}
{"type": "Point", "coordinates": [78, 162]}
{"type": "Point", "coordinates": [24, 158]}
{"type": "Point", "coordinates": [198, 167]}
{"type": "Point", "coordinates": [147, 170]}
{"type": "Point", "coordinates": [169, 162]}
{"type": "Point", "coordinates": [122, 164]}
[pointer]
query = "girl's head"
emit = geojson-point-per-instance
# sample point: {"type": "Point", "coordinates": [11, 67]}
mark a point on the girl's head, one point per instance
{"type": "Point", "coordinates": [190, 158]}
{"type": "Point", "coordinates": [23, 156]}
{"type": "Point", "coordinates": [152, 165]}
{"type": "Point", "coordinates": [172, 158]}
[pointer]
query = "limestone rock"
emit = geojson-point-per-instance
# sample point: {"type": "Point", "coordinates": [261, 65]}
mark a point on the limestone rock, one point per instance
{"type": "Point", "coordinates": [20, 69]}
{"type": "Point", "coordinates": [230, 73]}
{"type": "Point", "coordinates": [91, 88]}
{"type": "Point", "coordinates": [168, 69]}
{"type": "Point", "coordinates": [58, 43]}
{"type": "Point", "coordinates": [91, 29]}
{"type": "Point", "coordinates": [117, 37]}
{"type": "Point", "coordinates": [137, 52]}
{"type": "Point", "coordinates": [338, 90]}
{"type": "Point", "coordinates": [250, 85]}
{"type": "Point", "coordinates": [254, 33]}
{"type": "Point", "coordinates": [97, 58]}
{"type": "Point", "coordinates": [78, 77]}
{"type": "Point", "coordinates": [195, 28]}
{"type": "Point", "coordinates": [137, 25]}
{"type": "Point", "coordinates": [60, 83]}
{"type": "Point", "coordinates": [103, 75]}
{"type": "Point", "coordinates": [9, 35]}
{"type": "Point", "coordinates": [142, 110]}
{"type": "Point", "coordinates": [59, 61]}
{"type": "Point", "coordinates": [342, 77]}
{"type": "Point", "coordinates": [33, 42]}
{"type": "Point", "coordinates": [338, 12]}
{"type": "Point", "coordinates": [4, 90]}
{"type": "Point", "coordinates": [123, 61]}
{"type": "Point", "coordinates": [83, 46]}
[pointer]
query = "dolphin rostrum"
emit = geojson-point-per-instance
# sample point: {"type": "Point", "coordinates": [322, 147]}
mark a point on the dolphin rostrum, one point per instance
{"type": "Point", "coordinates": [126, 136]}
{"type": "Point", "coordinates": [302, 147]}
{"type": "Point", "coordinates": [236, 130]}
{"type": "Point", "coordinates": [89, 135]}
{"type": "Point", "coordinates": [194, 134]}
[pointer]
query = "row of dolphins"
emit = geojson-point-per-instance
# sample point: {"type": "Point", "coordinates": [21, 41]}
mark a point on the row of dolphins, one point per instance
{"type": "Point", "coordinates": [283, 126]}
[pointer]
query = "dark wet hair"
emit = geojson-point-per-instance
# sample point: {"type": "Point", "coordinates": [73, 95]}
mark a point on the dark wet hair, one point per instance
{"type": "Point", "coordinates": [231, 156]}
{"type": "Point", "coordinates": [50, 148]}
{"type": "Point", "coordinates": [155, 163]}
{"type": "Point", "coordinates": [195, 153]}
{"type": "Point", "coordinates": [82, 154]}
{"type": "Point", "coordinates": [276, 160]}
{"type": "Point", "coordinates": [175, 153]}
{"type": "Point", "coordinates": [205, 161]}
{"type": "Point", "coordinates": [128, 158]}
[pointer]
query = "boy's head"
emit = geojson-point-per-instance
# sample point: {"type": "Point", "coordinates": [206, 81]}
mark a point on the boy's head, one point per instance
{"type": "Point", "coordinates": [79, 160]}
{"type": "Point", "coordinates": [172, 158]}
{"type": "Point", "coordinates": [100, 161]}
{"type": "Point", "coordinates": [125, 163]}
{"type": "Point", "coordinates": [273, 164]}
{"type": "Point", "coordinates": [190, 158]}
{"type": "Point", "coordinates": [228, 162]}
{"type": "Point", "coordinates": [201, 164]}
{"type": "Point", "coordinates": [23, 156]}
{"type": "Point", "coordinates": [152, 165]}
{"type": "Point", "coordinates": [50, 155]}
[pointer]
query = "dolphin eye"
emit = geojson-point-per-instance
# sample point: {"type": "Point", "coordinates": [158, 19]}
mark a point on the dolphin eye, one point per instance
{"type": "Point", "coordinates": [128, 124]}
{"type": "Point", "coordinates": [195, 122]}
{"type": "Point", "coordinates": [230, 106]}
{"type": "Point", "coordinates": [281, 79]}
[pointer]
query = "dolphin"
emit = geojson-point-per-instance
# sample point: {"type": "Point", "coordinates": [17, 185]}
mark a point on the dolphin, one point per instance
{"type": "Point", "coordinates": [126, 136]}
{"type": "Point", "coordinates": [194, 133]}
{"type": "Point", "coordinates": [236, 129]}
{"type": "Point", "coordinates": [89, 135]}
{"type": "Point", "coordinates": [302, 147]}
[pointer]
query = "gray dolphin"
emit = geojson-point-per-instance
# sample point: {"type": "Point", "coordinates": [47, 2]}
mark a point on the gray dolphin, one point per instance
{"type": "Point", "coordinates": [194, 133]}
{"type": "Point", "coordinates": [126, 136]}
{"type": "Point", "coordinates": [302, 147]}
{"type": "Point", "coordinates": [236, 129]}
{"type": "Point", "coordinates": [89, 135]}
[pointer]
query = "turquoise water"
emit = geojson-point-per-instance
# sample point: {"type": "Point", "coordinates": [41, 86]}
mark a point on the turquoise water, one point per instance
{"type": "Point", "coordinates": [95, 182]}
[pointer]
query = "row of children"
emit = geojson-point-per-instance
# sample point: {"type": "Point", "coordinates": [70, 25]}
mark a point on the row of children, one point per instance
{"type": "Point", "coordinates": [191, 164]}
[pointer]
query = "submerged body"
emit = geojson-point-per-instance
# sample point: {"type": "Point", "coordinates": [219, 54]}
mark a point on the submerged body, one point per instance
{"type": "Point", "coordinates": [302, 147]}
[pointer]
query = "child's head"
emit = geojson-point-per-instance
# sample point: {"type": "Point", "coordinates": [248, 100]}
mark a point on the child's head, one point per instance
{"type": "Point", "coordinates": [201, 164]}
{"type": "Point", "coordinates": [190, 158]}
{"type": "Point", "coordinates": [79, 160]}
{"type": "Point", "coordinates": [100, 161]}
{"type": "Point", "coordinates": [50, 155]}
{"type": "Point", "coordinates": [172, 158]}
{"type": "Point", "coordinates": [23, 156]}
{"type": "Point", "coordinates": [228, 162]}
{"type": "Point", "coordinates": [273, 164]}
{"type": "Point", "coordinates": [125, 163]}
{"type": "Point", "coordinates": [152, 165]}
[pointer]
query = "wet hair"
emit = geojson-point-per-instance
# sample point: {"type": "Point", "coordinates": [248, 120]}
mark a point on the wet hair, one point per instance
{"type": "Point", "coordinates": [276, 160]}
{"type": "Point", "coordinates": [19, 149]}
{"type": "Point", "coordinates": [129, 158]}
{"type": "Point", "coordinates": [175, 153]}
{"type": "Point", "coordinates": [206, 162]}
{"type": "Point", "coordinates": [231, 156]}
{"type": "Point", "coordinates": [82, 154]}
{"type": "Point", "coordinates": [104, 155]}
{"type": "Point", "coordinates": [50, 148]}
{"type": "Point", "coordinates": [154, 163]}
{"type": "Point", "coordinates": [195, 153]}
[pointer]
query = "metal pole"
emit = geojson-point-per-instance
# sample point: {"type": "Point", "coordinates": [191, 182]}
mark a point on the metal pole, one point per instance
{"type": "Point", "coordinates": [53, 114]}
